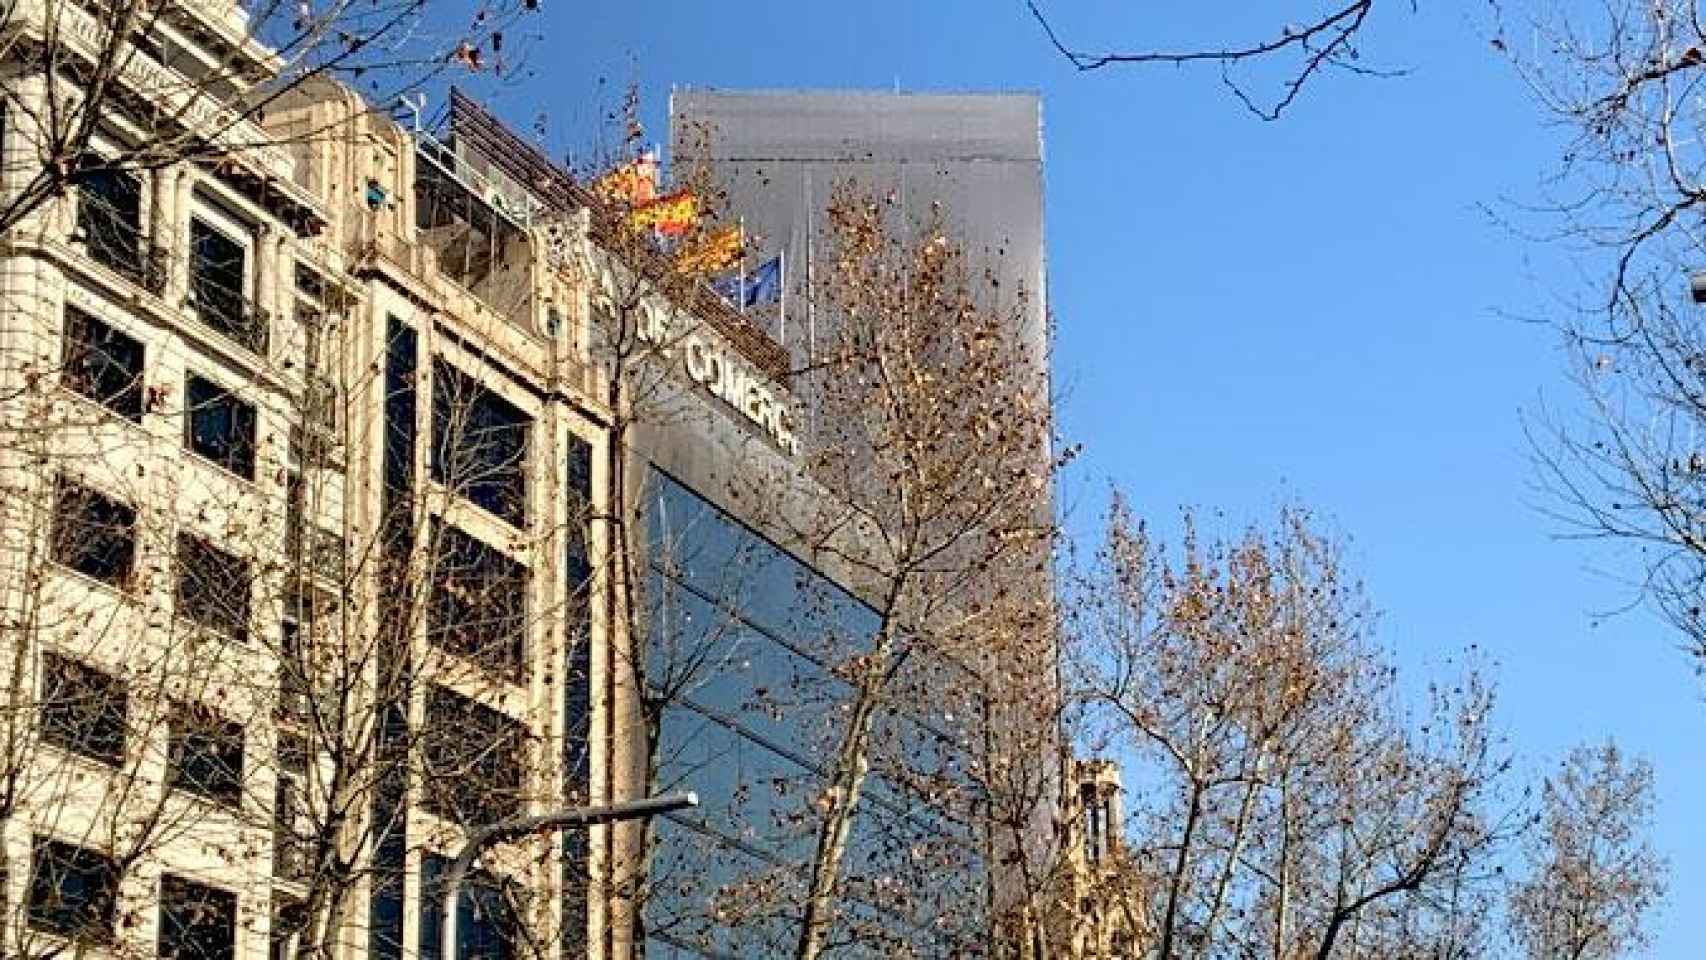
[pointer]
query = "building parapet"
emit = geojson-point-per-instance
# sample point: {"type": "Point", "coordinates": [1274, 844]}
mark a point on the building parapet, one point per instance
{"type": "Point", "coordinates": [173, 95]}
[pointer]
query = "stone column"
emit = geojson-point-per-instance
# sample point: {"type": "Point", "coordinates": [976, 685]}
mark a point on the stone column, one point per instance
{"type": "Point", "coordinates": [176, 241]}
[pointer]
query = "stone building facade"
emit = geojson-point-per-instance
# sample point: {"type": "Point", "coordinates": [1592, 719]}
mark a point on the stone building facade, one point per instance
{"type": "Point", "coordinates": [313, 459]}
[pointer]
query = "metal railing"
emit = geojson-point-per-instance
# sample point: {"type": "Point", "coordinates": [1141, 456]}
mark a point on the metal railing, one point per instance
{"type": "Point", "coordinates": [114, 241]}
{"type": "Point", "coordinates": [220, 308]}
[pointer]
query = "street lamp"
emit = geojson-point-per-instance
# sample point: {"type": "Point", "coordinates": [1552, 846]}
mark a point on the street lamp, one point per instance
{"type": "Point", "coordinates": [518, 827]}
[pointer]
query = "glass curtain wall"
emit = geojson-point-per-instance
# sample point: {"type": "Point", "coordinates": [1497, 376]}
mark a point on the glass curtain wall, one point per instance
{"type": "Point", "coordinates": [748, 650]}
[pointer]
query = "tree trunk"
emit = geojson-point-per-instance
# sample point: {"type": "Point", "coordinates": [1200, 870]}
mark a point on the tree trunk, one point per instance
{"type": "Point", "coordinates": [848, 780]}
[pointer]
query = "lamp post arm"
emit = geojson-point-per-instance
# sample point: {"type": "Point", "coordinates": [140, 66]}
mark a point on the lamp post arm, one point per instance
{"type": "Point", "coordinates": [516, 828]}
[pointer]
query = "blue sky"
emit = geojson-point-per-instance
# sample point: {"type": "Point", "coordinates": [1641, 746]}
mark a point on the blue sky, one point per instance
{"type": "Point", "coordinates": [1251, 313]}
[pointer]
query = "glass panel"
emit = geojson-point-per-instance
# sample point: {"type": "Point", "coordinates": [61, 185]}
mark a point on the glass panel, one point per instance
{"type": "Point", "coordinates": [103, 364]}
{"type": "Point", "coordinates": [221, 426]}
{"type": "Point", "coordinates": [474, 760]}
{"type": "Point", "coordinates": [219, 286]}
{"type": "Point", "coordinates": [214, 587]}
{"type": "Point", "coordinates": [109, 215]}
{"type": "Point", "coordinates": [479, 444]}
{"type": "Point", "coordinates": [73, 891]}
{"type": "Point", "coordinates": [197, 922]}
{"type": "Point", "coordinates": [83, 709]}
{"type": "Point", "coordinates": [478, 607]}
{"type": "Point", "coordinates": [94, 534]}
{"type": "Point", "coordinates": [206, 754]}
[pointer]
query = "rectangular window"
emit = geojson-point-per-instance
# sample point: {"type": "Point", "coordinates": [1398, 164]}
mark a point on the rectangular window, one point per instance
{"type": "Point", "coordinates": [478, 607]}
{"type": "Point", "coordinates": [220, 426]}
{"type": "Point", "coordinates": [197, 922]}
{"type": "Point", "coordinates": [73, 891]}
{"type": "Point", "coordinates": [93, 534]}
{"type": "Point", "coordinates": [83, 709]}
{"type": "Point", "coordinates": [289, 842]}
{"type": "Point", "coordinates": [473, 760]}
{"type": "Point", "coordinates": [289, 919]}
{"type": "Point", "coordinates": [488, 914]}
{"type": "Point", "coordinates": [213, 587]}
{"type": "Point", "coordinates": [479, 444]}
{"type": "Point", "coordinates": [109, 217]}
{"type": "Point", "coordinates": [219, 286]}
{"type": "Point", "coordinates": [102, 364]}
{"type": "Point", "coordinates": [206, 754]}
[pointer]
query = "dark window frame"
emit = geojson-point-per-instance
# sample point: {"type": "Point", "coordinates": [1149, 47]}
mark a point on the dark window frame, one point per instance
{"type": "Point", "coordinates": [102, 363]}
{"type": "Point", "coordinates": [481, 443]}
{"type": "Point", "coordinates": [206, 754]}
{"type": "Point", "coordinates": [220, 426]}
{"type": "Point", "coordinates": [109, 215]}
{"type": "Point", "coordinates": [475, 759]}
{"type": "Point", "coordinates": [225, 607]}
{"type": "Point", "coordinates": [58, 867]}
{"type": "Point", "coordinates": [199, 916]}
{"type": "Point", "coordinates": [223, 296]}
{"type": "Point", "coordinates": [478, 603]}
{"type": "Point", "coordinates": [84, 710]}
{"type": "Point", "coordinates": [97, 539]}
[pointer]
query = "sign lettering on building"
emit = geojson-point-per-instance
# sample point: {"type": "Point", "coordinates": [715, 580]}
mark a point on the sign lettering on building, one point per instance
{"type": "Point", "coordinates": [726, 374]}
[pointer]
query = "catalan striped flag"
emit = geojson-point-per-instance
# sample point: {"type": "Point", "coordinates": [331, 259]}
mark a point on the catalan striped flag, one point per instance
{"type": "Point", "coordinates": [713, 252]}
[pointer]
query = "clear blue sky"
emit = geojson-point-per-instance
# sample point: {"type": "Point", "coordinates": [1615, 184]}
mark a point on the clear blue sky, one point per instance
{"type": "Point", "coordinates": [1251, 312]}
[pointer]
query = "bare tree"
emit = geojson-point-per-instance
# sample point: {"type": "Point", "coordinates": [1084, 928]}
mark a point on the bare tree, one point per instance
{"type": "Point", "coordinates": [1620, 83]}
{"type": "Point", "coordinates": [1285, 807]}
{"type": "Point", "coordinates": [1593, 880]}
{"type": "Point", "coordinates": [1317, 39]}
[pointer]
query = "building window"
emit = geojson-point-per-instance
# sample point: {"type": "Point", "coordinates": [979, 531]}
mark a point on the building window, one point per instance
{"type": "Point", "coordinates": [206, 754]}
{"type": "Point", "coordinates": [102, 364]}
{"type": "Point", "coordinates": [473, 760]}
{"type": "Point", "coordinates": [479, 444]}
{"type": "Point", "coordinates": [488, 913]}
{"type": "Point", "coordinates": [83, 709]}
{"type": "Point", "coordinates": [478, 607]}
{"type": "Point", "coordinates": [290, 841]}
{"type": "Point", "coordinates": [221, 427]}
{"type": "Point", "coordinates": [93, 534]}
{"type": "Point", "coordinates": [213, 587]}
{"type": "Point", "coordinates": [219, 284]}
{"type": "Point", "coordinates": [197, 922]}
{"type": "Point", "coordinates": [109, 218]}
{"type": "Point", "coordinates": [73, 891]}
{"type": "Point", "coordinates": [289, 919]}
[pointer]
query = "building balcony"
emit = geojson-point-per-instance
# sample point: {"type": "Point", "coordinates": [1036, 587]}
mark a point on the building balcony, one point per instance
{"type": "Point", "coordinates": [220, 308]}
{"type": "Point", "coordinates": [115, 241]}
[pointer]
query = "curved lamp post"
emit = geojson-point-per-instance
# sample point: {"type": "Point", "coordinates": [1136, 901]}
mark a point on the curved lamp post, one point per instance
{"type": "Point", "coordinates": [519, 827]}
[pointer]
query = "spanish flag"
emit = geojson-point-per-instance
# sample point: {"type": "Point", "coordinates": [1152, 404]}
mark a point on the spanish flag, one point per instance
{"type": "Point", "coordinates": [713, 252]}
{"type": "Point", "coordinates": [633, 183]}
{"type": "Point", "coordinates": [672, 215]}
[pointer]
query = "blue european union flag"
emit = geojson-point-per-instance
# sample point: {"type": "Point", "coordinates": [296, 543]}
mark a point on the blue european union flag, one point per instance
{"type": "Point", "coordinates": [763, 285]}
{"type": "Point", "coordinates": [728, 288]}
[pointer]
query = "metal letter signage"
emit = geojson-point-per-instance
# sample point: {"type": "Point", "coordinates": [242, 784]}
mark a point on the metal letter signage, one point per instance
{"type": "Point", "coordinates": [727, 375]}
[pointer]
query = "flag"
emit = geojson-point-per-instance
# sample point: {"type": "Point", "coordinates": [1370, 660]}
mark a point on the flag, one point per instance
{"type": "Point", "coordinates": [745, 291]}
{"type": "Point", "coordinates": [634, 183]}
{"type": "Point", "coordinates": [713, 252]}
{"type": "Point", "coordinates": [764, 284]}
{"type": "Point", "coordinates": [672, 215]}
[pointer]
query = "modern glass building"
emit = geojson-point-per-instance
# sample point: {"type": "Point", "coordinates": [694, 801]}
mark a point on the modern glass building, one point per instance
{"type": "Point", "coordinates": [749, 648]}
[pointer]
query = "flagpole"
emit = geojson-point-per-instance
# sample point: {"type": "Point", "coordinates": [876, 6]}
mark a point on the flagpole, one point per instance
{"type": "Point", "coordinates": [741, 302]}
{"type": "Point", "coordinates": [782, 278]}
